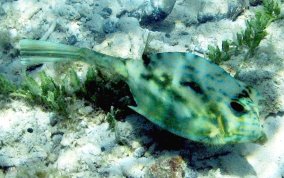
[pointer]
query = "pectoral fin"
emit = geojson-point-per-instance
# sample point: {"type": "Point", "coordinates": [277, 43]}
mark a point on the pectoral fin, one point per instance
{"type": "Point", "coordinates": [136, 109]}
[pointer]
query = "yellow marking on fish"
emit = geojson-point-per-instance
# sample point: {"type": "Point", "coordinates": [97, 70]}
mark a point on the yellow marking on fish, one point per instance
{"type": "Point", "coordinates": [221, 125]}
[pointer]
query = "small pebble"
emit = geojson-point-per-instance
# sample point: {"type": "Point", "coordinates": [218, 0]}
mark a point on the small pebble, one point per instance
{"type": "Point", "coordinates": [184, 33]}
{"type": "Point", "coordinates": [103, 149]}
{"type": "Point", "coordinates": [110, 27]}
{"type": "Point", "coordinates": [139, 152]}
{"type": "Point", "coordinates": [106, 12]}
{"type": "Point", "coordinates": [83, 124]}
{"type": "Point", "coordinates": [254, 2]}
{"type": "Point", "coordinates": [30, 130]}
{"type": "Point", "coordinates": [53, 121]}
{"type": "Point", "coordinates": [57, 139]}
{"type": "Point", "coordinates": [72, 40]}
{"type": "Point", "coordinates": [86, 110]}
{"type": "Point", "coordinates": [95, 24]}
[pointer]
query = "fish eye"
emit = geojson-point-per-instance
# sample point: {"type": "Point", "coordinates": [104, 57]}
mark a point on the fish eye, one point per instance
{"type": "Point", "coordinates": [237, 107]}
{"type": "Point", "coordinates": [146, 59]}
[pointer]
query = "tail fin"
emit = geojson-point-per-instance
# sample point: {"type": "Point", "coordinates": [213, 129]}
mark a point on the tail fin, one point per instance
{"type": "Point", "coordinates": [34, 52]}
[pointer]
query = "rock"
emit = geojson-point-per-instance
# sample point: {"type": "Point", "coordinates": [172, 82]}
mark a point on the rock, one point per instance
{"type": "Point", "coordinates": [68, 11]}
{"type": "Point", "coordinates": [254, 2]}
{"type": "Point", "coordinates": [82, 8]}
{"type": "Point", "coordinates": [57, 138]}
{"type": "Point", "coordinates": [110, 26]}
{"type": "Point", "coordinates": [129, 167]}
{"type": "Point", "coordinates": [148, 11]}
{"type": "Point", "coordinates": [128, 44]}
{"type": "Point", "coordinates": [71, 40]}
{"type": "Point", "coordinates": [168, 167]}
{"type": "Point", "coordinates": [133, 130]}
{"type": "Point", "coordinates": [86, 110]}
{"type": "Point", "coordinates": [139, 152]}
{"type": "Point", "coordinates": [159, 11]}
{"type": "Point", "coordinates": [53, 120]}
{"type": "Point", "coordinates": [235, 8]}
{"type": "Point", "coordinates": [106, 12]}
{"type": "Point", "coordinates": [95, 25]}
{"type": "Point", "coordinates": [128, 24]}
{"type": "Point", "coordinates": [213, 10]}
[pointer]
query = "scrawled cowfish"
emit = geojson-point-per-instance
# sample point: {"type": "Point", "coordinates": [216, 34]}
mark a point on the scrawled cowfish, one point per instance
{"type": "Point", "coordinates": [181, 92]}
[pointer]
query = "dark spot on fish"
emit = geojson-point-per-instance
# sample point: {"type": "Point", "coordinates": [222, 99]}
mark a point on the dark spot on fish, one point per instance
{"type": "Point", "coordinates": [243, 94]}
{"type": "Point", "coordinates": [220, 81]}
{"type": "Point", "coordinates": [147, 76]}
{"type": "Point", "coordinates": [176, 96]}
{"type": "Point", "coordinates": [210, 88]}
{"type": "Point", "coordinates": [169, 120]}
{"type": "Point", "coordinates": [167, 79]}
{"type": "Point", "coordinates": [219, 74]}
{"type": "Point", "coordinates": [248, 89]}
{"type": "Point", "coordinates": [33, 67]}
{"type": "Point", "coordinates": [191, 68]}
{"type": "Point", "coordinates": [162, 81]}
{"type": "Point", "coordinates": [224, 93]}
{"type": "Point", "coordinates": [195, 56]}
{"type": "Point", "coordinates": [159, 55]}
{"type": "Point", "coordinates": [194, 86]}
{"type": "Point", "coordinates": [146, 59]}
{"type": "Point", "coordinates": [236, 106]}
{"type": "Point", "coordinates": [209, 76]}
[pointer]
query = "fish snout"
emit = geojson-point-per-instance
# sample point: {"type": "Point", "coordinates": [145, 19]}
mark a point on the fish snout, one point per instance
{"type": "Point", "coordinates": [262, 139]}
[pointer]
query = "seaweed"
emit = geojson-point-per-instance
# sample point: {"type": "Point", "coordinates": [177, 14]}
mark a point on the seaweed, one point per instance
{"type": "Point", "coordinates": [59, 96]}
{"type": "Point", "coordinates": [6, 87]}
{"type": "Point", "coordinates": [56, 96]}
{"type": "Point", "coordinates": [5, 40]}
{"type": "Point", "coordinates": [111, 118]}
{"type": "Point", "coordinates": [249, 39]}
{"type": "Point", "coordinates": [47, 93]}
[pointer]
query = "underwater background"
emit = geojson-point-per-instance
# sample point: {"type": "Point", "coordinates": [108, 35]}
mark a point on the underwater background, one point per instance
{"type": "Point", "coordinates": [72, 119]}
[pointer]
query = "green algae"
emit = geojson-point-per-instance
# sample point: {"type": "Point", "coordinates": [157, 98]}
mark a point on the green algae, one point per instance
{"type": "Point", "coordinates": [249, 39]}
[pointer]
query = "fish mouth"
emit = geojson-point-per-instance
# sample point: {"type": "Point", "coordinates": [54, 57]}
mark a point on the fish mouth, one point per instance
{"type": "Point", "coordinates": [262, 139]}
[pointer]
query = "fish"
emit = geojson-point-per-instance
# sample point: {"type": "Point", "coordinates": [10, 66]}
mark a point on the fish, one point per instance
{"type": "Point", "coordinates": [181, 92]}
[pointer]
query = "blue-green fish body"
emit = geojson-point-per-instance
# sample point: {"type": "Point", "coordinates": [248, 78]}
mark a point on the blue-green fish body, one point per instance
{"type": "Point", "coordinates": [181, 92]}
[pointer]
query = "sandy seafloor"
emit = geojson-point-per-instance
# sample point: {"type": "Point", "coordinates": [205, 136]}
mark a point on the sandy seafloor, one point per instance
{"type": "Point", "coordinates": [37, 143]}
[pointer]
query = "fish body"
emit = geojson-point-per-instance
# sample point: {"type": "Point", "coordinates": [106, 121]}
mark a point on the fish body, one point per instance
{"type": "Point", "coordinates": [194, 98]}
{"type": "Point", "coordinates": [180, 92]}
